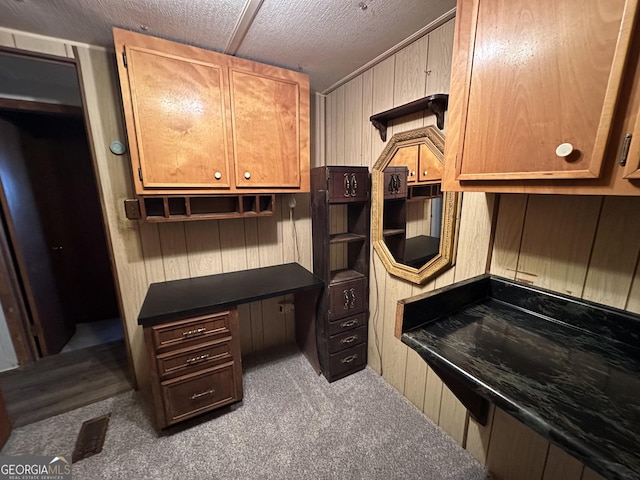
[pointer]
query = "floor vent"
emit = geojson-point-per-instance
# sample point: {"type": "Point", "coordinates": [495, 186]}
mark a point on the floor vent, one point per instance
{"type": "Point", "coordinates": [91, 438]}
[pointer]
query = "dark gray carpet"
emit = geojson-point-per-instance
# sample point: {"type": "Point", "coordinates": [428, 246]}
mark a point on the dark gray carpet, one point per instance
{"type": "Point", "coordinates": [292, 424]}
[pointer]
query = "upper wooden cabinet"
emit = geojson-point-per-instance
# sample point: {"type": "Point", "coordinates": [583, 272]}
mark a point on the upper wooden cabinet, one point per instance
{"type": "Point", "coordinates": [201, 122]}
{"type": "Point", "coordinates": [542, 97]}
{"type": "Point", "coordinates": [422, 164]}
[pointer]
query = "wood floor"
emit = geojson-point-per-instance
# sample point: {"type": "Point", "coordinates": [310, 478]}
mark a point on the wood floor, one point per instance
{"type": "Point", "coordinates": [64, 382]}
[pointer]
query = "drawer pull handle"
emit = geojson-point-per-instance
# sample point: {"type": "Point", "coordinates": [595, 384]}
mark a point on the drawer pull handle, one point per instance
{"type": "Point", "coordinates": [347, 185]}
{"type": "Point", "coordinates": [197, 331]}
{"type": "Point", "coordinates": [624, 153]}
{"type": "Point", "coordinates": [349, 359]}
{"type": "Point", "coordinates": [353, 298]}
{"type": "Point", "coordinates": [202, 394]}
{"type": "Point", "coordinates": [395, 184]}
{"type": "Point", "coordinates": [354, 185]}
{"type": "Point", "coordinates": [198, 359]}
{"type": "Point", "coordinates": [349, 323]}
{"type": "Point", "coordinates": [346, 299]}
{"type": "Point", "coordinates": [350, 339]}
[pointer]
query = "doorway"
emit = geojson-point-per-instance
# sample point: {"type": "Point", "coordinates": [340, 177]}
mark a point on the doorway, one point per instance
{"type": "Point", "coordinates": [51, 215]}
{"type": "Point", "coordinates": [54, 243]}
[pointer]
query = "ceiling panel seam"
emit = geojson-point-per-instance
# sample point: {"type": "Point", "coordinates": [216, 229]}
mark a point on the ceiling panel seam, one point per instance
{"type": "Point", "coordinates": [247, 16]}
{"type": "Point", "coordinates": [393, 50]}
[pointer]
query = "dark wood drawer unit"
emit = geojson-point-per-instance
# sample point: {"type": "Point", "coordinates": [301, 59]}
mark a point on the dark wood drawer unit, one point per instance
{"type": "Point", "coordinates": [195, 365]}
{"type": "Point", "coordinates": [340, 197]}
{"type": "Point", "coordinates": [190, 395]}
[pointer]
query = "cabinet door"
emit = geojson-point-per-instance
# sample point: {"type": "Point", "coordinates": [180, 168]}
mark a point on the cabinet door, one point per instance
{"type": "Point", "coordinates": [541, 75]}
{"type": "Point", "coordinates": [266, 110]}
{"type": "Point", "coordinates": [407, 156]}
{"type": "Point", "coordinates": [180, 120]}
{"type": "Point", "coordinates": [430, 165]}
{"type": "Point", "coordinates": [395, 182]}
{"type": "Point", "coordinates": [348, 184]}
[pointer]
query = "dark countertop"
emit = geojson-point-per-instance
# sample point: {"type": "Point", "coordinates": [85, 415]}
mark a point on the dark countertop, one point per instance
{"type": "Point", "coordinates": [178, 299]}
{"type": "Point", "coordinates": [567, 368]}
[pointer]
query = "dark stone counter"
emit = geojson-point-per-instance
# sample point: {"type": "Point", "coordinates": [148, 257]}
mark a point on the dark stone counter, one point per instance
{"type": "Point", "coordinates": [567, 368]}
{"type": "Point", "coordinates": [189, 297]}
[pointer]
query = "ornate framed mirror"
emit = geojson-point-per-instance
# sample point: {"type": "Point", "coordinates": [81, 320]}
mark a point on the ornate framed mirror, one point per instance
{"type": "Point", "coordinates": [414, 224]}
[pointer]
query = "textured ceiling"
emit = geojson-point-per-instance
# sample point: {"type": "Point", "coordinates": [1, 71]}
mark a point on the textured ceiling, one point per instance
{"type": "Point", "coordinates": [326, 39]}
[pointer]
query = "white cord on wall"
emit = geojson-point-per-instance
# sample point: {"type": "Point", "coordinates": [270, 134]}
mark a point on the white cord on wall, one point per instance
{"type": "Point", "coordinates": [294, 231]}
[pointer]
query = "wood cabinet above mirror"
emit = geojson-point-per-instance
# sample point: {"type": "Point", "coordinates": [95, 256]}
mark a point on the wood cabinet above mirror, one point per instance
{"type": "Point", "coordinates": [414, 224]}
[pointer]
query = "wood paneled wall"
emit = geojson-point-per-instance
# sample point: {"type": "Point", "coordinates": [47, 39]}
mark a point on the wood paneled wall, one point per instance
{"type": "Point", "coordinates": [144, 253]}
{"type": "Point", "coordinates": [579, 245]}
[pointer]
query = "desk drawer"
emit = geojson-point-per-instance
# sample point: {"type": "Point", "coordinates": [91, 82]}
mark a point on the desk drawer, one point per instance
{"type": "Point", "coordinates": [346, 324]}
{"type": "Point", "coordinates": [347, 339]}
{"type": "Point", "coordinates": [180, 333]}
{"type": "Point", "coordinates": [346, 298]}
{"type": "Point", "coordinates": [348, 361]}
{"type": "Point", "coordinates": [196, 393]}
{"type": "Point", "coordinates": [186, 360]}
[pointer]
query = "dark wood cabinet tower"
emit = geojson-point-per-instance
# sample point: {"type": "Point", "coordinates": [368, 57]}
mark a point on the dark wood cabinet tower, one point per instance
{"type": "Point", "coordinates": [340, 197]}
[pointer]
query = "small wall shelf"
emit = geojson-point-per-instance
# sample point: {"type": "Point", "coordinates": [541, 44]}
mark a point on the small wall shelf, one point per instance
{"type": "Point", "coordinates": [422, 192]}
{"type": "Point", "coordinates": [437, 104]}
{"type": "Point", "coordinates": [161, 208]}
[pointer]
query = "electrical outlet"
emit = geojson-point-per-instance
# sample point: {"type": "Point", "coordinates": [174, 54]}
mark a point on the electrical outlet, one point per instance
{"type": "Point", "coordinates": [285, 307]}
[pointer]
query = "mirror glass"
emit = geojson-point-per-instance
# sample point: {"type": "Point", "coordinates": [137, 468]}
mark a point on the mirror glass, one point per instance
{"type": "Point", "coordinates": [414, 224]}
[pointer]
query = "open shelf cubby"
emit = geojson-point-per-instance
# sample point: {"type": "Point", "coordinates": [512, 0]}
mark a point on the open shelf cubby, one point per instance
{"type": "Point", "coordinates": [166, 208]}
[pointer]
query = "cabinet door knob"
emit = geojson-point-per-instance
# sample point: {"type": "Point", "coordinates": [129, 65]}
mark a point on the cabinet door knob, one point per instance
{"type": "Point", "coordinates": [413, 174]}
{"type": "Point", "coordinates": [247, 175]}
{"type": "Point", "coordinates": [425, 173]}
{"type": "Point", "coordinates": [564, 150]}
{"type": "Point", "coordinates": [218, 175]}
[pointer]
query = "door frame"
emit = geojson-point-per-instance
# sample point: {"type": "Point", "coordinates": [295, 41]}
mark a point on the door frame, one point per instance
{"type": "Point", "coordinates": [13, 305]}
{"type": "Point", "coordinates": [18, 319]}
